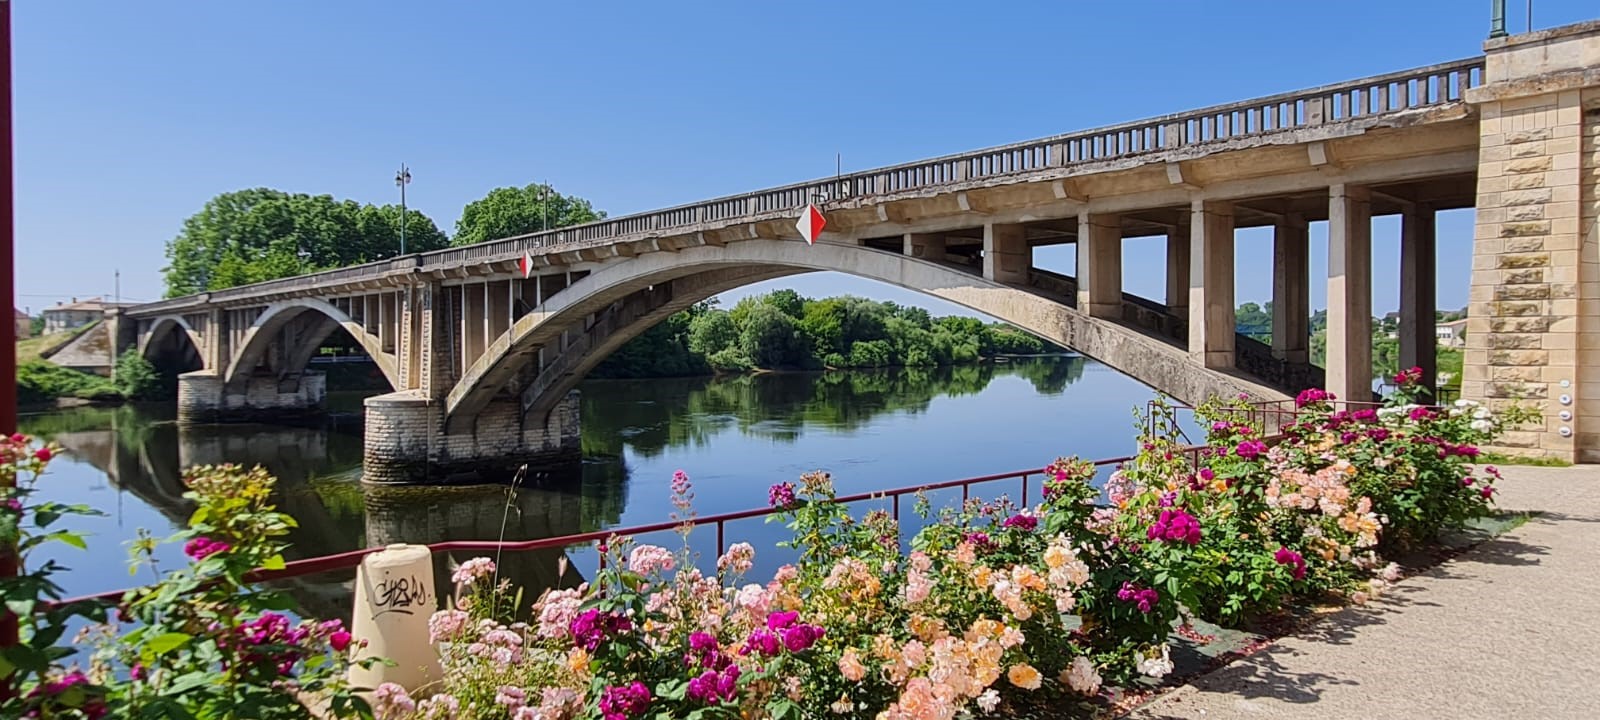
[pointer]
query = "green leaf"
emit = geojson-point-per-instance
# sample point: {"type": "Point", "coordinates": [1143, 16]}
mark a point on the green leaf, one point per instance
{"type": "Point", "coordinates": [163, 644]}
{"type": "Point", "coordinates": [273, 563]}
{"type": "Point", "coordinates": [73, 539]}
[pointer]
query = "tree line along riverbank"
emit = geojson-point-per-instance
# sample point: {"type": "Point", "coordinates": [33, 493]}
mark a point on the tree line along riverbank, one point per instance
{"type": "Point", "coordinates": [784, 330]}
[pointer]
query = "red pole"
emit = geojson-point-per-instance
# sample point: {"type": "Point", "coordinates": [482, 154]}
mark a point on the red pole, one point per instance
{"type": "Point", "coordinates": [8, 333]}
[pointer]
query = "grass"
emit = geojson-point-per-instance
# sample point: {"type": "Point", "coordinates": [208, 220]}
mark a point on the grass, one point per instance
{"type": "Point", "coordinates": [1494, 458]}
{"type": "Point", "coordinates": [33, 348]}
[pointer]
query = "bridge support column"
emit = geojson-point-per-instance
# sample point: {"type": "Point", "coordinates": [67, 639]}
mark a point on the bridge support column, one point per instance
{"type": "Point", "coordinates": [1418, 289]}
{"type": "Point", "coordinates": [1178, 270]}
{"type": "Point", "coordinates": [1100, 265]}
{"type": "Point", "coordinates": [1006, 256]}
{"type": "Point", "coordinates": [924, 246]}
{"type": "Point", "coordinates": [1349, 360]}
{"type": "Point", "coordinates": [1291, 290]}
{"type": "Point", "coordinates": [1533, 323]}
{"type": "Point", "coordinates": [1211, 313]}
{"type": "Point", "coordinates": [204, 398]}
{"type": "Point", "coordinates": [406, 443]}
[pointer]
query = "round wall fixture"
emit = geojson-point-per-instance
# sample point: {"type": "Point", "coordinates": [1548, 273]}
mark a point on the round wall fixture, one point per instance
{"type": "Point", "coordinates": [1565, 399]}
{"type": "Point", "coordinates": [1566, 383]}
{"type": "Point", "coordinates": [1565, 431]}
{"type": "Point", "coordinates": [1565, 415]}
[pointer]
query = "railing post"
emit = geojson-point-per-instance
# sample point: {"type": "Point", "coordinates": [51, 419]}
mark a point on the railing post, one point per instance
{"type": "Point", "coordinates": [394, 598]}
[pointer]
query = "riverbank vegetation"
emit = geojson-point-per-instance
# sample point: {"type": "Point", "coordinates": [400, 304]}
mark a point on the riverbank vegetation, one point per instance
{"type": "Point", "coordinates": [994, 608]}
{"type": "Point", "coordinates": [40, 381]}
{"type": "Point", "coordinates": [784, 330]}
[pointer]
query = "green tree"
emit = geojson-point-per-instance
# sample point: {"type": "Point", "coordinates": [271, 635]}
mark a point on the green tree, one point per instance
{"type": "Point", "coordinates": [1254, 320]}
{"type": "Point", "coordinates": [263, 234]}
{"type": "Point", "coordinates": [510, 211]}
{"type": "Point", "coordinates": [711, 332]}
{"type": "Point", "coordinates": [135, 377]}
{"type": "Point", "coordinates": [770, 338]}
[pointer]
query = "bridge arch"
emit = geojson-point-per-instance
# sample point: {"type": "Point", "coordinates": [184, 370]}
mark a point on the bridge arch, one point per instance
{"type": "Point", "coordinates": [172, 346]}
{"type": "Point", "coordinates": [268, 329]}
{"type": "Point", "coordinates": [694, 274]}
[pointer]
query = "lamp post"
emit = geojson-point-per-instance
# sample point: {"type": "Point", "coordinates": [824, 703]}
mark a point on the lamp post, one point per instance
{"type": "Point", "coordinates": [402, 178]}
{"type": "Point", "coordinates": [1497, 19]}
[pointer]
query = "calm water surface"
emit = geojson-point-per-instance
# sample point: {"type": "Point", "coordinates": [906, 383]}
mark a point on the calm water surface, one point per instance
{"type": "Point", "coordinates": [735, 436]}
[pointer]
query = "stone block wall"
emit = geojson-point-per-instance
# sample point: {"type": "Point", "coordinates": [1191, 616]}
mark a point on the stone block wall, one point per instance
{"type": "Point", "coordinates": [406, 440]}
{"type": "Point", "coordinates": [1533, 328]}
{"type": "Point", "coordinates": [204, 398]}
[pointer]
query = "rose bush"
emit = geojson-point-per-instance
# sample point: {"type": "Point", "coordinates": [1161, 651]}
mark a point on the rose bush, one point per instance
{"type": "Point", "coordinates": [202, 641]}
{"type": "Point", "coordinates": [989, 606]}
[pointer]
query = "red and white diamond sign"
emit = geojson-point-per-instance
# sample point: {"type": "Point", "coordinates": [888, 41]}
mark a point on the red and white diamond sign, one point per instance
{"type": "Point", "coordinates": [525, 264]}
{"type": "Point", "coordinates": [811, 223]}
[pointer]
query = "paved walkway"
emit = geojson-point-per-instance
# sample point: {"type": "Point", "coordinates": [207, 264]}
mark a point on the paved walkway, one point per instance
{"type": "Point", "coordinates": [1509, 629]}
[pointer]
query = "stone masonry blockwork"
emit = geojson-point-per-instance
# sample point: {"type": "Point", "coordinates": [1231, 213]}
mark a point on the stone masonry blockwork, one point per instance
{"type": "Point", "coordinates": [406, 440]}
{"type": "Point", "coordinates": [1534, 315]}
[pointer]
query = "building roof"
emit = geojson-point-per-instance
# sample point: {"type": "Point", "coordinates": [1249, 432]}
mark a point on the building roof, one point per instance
{"type": "Point", "coordinates": [20, 315]}
{"type": "Point", "coordinates": [1452, 323]}
{"type": "Point", "coordinates": [93, 304]}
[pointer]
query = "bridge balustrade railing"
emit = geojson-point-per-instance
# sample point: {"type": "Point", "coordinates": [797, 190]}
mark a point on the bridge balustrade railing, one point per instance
{"type": "Point", "coordinates": [1359, 99]}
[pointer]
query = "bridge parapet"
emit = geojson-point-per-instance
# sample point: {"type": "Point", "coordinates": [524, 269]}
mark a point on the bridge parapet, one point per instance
{"type": "Point", "coordinates": [1309, 115]}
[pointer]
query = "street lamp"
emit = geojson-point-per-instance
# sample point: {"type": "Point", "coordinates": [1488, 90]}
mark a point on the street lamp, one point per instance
{"type": "Point", "coordinates": [401, 180]}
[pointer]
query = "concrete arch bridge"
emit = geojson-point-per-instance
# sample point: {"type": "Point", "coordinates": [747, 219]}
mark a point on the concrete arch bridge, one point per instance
{"type": "Point", "coordinates": [482, 359]}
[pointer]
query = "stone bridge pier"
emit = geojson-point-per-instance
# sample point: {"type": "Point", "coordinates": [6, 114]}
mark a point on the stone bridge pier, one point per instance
{"type": "Point", "coordinates": [205, 397]}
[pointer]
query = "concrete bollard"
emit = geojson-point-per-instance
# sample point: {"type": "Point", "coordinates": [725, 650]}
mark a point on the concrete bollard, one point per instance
{"type": "Point", "coordinates": [394, 599]}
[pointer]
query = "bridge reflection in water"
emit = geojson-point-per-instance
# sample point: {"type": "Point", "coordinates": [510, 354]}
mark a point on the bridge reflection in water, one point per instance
{"type": "Point", "coordinates": [724, 429]}
{"type": "Point", "coordinates": [318, 471]}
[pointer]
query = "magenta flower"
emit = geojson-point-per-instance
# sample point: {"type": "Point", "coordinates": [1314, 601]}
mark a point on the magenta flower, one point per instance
{"type": "Point", "coordinates": [1421, 413]}
{"type": "Point", "coordinates": [201, 548]}
{"type": "Point", "coordinates": [1144, 598]}
{"type": "Point", "coordinates": [781, 620]}
{"type": "Point", "coordinates": [762, 641]}
{"type": "Point", "coordinates": [711, 686]}
{"type": "Point", "coordinates": [801, 637]}
{"type": "Point", "coordinates": [781, 495]}
{"type": "Point", "coordinates": [339, 640]}
{"type": "Point", "coordinates": [1312, 396]}
{"type": "Point", "coordinates": [1250, 449]}
{"type": "Point", "coordinates": [1285, 556]}
{"type": "Point", "coordinates": [1175, 526]}
{"type": "Point", "coordinates": [592, 627]}
{"type": "Point", "coordinates": [1023, 522]}
{"type": "Point", "coordinates": [620, 702]}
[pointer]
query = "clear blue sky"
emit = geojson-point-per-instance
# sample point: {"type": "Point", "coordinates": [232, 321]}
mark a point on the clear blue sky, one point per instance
{"type": "Point", "coordinates": [130, 116]}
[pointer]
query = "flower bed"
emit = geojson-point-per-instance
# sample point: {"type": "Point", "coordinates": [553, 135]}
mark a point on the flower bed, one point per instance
{"type": "Point", "coordinates": [201, 642]}
{"type": "Point", "coordinates": [990, 608]}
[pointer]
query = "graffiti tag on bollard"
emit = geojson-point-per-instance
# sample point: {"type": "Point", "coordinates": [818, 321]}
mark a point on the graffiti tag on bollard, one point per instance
{"type": "Point", "coordinates": [400, 595]}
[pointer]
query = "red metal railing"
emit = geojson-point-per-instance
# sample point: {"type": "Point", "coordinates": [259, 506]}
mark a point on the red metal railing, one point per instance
{"type": "Point", "coordinates": [1266, 415]}
{"type": "Point", "coordinates": [349, 560]}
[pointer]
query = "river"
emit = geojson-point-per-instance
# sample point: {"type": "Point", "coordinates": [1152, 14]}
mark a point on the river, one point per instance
{"type": "Point", "coordinates": [734, 436]}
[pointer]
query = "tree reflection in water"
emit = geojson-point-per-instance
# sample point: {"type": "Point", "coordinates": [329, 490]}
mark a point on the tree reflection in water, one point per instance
{"type": "Point", "coordinates": [140, 452]}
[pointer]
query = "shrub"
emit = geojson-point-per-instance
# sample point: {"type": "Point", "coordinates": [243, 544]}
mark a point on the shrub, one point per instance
{"type": "Point", "coordinates": [204, 642]}
{"type": "Point", "coordinates": [995, 608]}
{"type": "Point", "coordinates": [42, 381]}
{"type": "Point", "coordinates": [135, 378]}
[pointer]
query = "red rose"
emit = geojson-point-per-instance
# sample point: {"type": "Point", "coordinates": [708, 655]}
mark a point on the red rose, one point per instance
{"type": "Point", "coordinates": [339, 640]}
{"type": "Point", "coordinates": [43, 454]}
